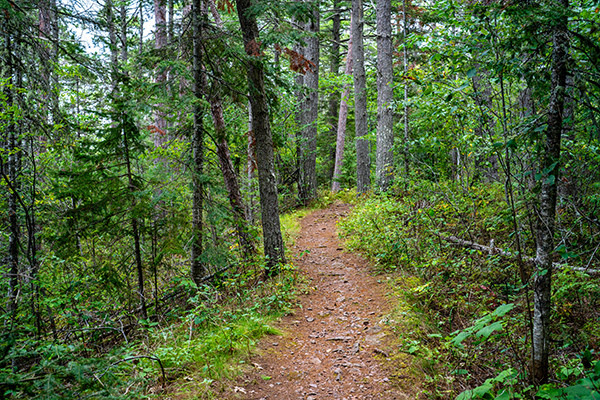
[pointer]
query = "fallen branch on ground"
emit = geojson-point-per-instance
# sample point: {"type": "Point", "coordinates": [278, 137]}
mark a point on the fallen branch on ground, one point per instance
{"type": "Point", "coordinates": [491, 250]}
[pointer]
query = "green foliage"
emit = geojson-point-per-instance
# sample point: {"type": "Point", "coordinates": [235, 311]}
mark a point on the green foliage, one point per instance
{"type": "Point", "coordinates": [483, 328]}
{"type": "Point", "coordinates": [497, 388]}
{"type": "Point", "coordinates": [586, 388]}
{"type": "Point", "coordinates": [475, 300]}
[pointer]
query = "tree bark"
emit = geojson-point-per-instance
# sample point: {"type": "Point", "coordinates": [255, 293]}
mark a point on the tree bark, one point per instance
{"type": "Point", "coordinates": [198, 269]}
{"type": "Point", "coordinates": [307, 184]}
{"type": "Point", "coordinates": [334, 97]}
{"type": "Point", "coordinates": [547, 212]}
{"type": "Point", "coordinates": [231, 181]}
{"type": "Point", "coordinates": [405, 69]}
{"type": "Point", "coordinates": [134, 222]}
{"type": "Point", "coordinates": [11, 174]}
{"type": "Point", "coordinates": [123, 34]}
{"type": "Point", "coordinates": [363, 161]}
{"type": "Point", "coordinates": [229, 176]}
{"type": "Point", "coordinates": [160, 41]}
{"type": "Point", "coordinates": [341, 125]}
{"type": "Point", "coordinates": [384, 165]}
{"type": "Point", "coordinates": [273, 241]}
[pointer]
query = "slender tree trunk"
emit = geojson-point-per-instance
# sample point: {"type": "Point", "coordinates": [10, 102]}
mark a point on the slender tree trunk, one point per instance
{"type": "Point", "coordinates": [341, 125]}
{"type": "Point", "coordinates": [223, 153]}
{"type": "Point", "coordinates": [300, 114]}
{"type": "Point", "coordinates": [112, 37]}
{"type": "Point", "coordinates": [299, 117]}
{"type": "Point", "coordinates": [134, 223]}
{"type": "Point", "coordinates": [273, 241]}
{"type": "Point", "coordinates": [334, 97]}
{"type": "Point", "coordinates": [11, 174]}
{"type": "Point", "coordinates": [231, 181]}
{"type": "Point", "coordinates": [123, 34]}
{"type": "Point", "coordinates": [141, 33]}
{"type": "Point", "coordinates": [363, 161]}
{"type": "Point", "coordinates": [171, 22]}
{"type": "Point", "coordinates": [307, 188]}
{"type": "Point", "coordinates": [48, 27]}
{"type": "Point", "coordinates": [405, 68]}
{"type": "Point", "coordinates": [160, 41]}
{"type": "Point", "coordinates": [547, 211]}
{"type": "Point", "coordinates": [198, 270]}
{"type": "Point", "coordinates": [384, 168]}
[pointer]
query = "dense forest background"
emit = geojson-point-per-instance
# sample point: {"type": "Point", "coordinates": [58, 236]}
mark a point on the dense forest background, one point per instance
{"type": "Point", "coordinates": [148, 150]}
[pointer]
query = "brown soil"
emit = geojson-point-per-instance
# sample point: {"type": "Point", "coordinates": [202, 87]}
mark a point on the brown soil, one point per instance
{"type": "Point", "coordinates": [334, 345]}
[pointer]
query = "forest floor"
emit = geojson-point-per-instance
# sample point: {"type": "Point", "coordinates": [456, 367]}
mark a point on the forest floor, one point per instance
{"type": "Point", "coordinates": [336, 344]}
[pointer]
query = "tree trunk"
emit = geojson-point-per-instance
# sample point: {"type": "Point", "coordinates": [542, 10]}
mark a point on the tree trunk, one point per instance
{"type": "Point", "coordinates": [341, 125]}
{"type": "Point", "coordinates": [547, 211]}
{"type": "Point", "coordinates": [405, 69]}
{"type": "Point", "coordinates": [384, 165]}
{"type": "Point", "coordinates": [230, 178]}
{"type": "Point", "coordinates": [229, 175]}
{"type": "Point", "coordinates": [123, 33]}
{"type": "Point", "coordinates": [250, 168]}
{"type": "Point", "coordinates": [48, 27]}
{"type": "Point", "coordinates": [198, 269]}
{"type": "Point", "coordinates": [171, 22]}
{"type": "Point", "coordinates": [10, 174]}
{"type": "Point", "coordinates": [363, 161]}
{"type": "Point", "coordinates": [273, 241]}
{"type": "Point", "coordinates": [112, 37]}
{"type": "Point", "coordinates": [307, 184]}
{"type": "Point", "coordinates": [141, 33]}
{"type": "Point", "coordinates": [160, 41]}
{"type": "Point", "coordinates": [135, 224]}
{"type": "Point", "coordinates": [334, 97]}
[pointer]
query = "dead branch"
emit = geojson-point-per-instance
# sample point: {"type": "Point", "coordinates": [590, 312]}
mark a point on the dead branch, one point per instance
{"type": "Point", "coordinates": [492, 250]}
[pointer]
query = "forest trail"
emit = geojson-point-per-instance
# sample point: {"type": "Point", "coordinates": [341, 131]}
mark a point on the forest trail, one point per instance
{"type": "Point", "coordinates": [333, 345]}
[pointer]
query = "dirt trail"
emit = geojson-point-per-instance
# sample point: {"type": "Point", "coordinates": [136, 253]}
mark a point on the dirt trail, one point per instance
{"type": "Point", "coordinates": [333, 345]}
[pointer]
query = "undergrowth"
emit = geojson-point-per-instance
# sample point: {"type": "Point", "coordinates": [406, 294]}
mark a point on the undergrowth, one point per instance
{"type": "Point", "coordinates": [468, 311]}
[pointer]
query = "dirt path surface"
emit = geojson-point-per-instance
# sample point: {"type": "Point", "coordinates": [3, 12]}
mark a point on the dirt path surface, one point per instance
{"type": "Point", "coordinates": [333, 345]}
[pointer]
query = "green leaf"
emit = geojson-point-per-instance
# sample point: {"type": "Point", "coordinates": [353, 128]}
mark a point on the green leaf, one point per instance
{"type": "Point", "coordinates": [581, 392]}
{"type": "Point", "coordinates": [503, 309]}
{"type": "Point", "coordinates": [472, 72]}
{"type": "Point", "coordinates": [463, 86]}
{"type": "Point", "coordinates": [486, 331]}
{"type": "Point", "coordinates": [504, 395]}
{"type": "Point", "coordinates": [550, 180]}
{"type": "Point", "coordinates": [549, 168]}
{"type": "Point", "coordinates": [460, 338]}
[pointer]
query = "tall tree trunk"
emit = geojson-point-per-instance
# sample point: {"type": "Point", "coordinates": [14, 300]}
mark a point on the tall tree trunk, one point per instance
{"type": "Point", "coordinates": [273, 241]}
{"type": "Point", "coordinates": [10, 175]}
{"type": "Point", "coordinates": [171, 22]}
{"type": "Point", "coordinates": [307, 188]}
{"type": "Point", "coordinates": [223, 153]}
{"type": "Point", "coordinates": [134, 221]}
{"type": "Point", "coordinates": [114, 46]}
{"type": "Point", "coordinates": [547, 212]}
{"type": "Point", "coordinates": [334, 97]}
{"type": "Point", "coordinates": [384, 165]}
{"type": "Point", "coordinates": [160, 41]}
{"type": "Point", "coordinates": [363, 161]}
{"type": "Point", "coordinates": [141, 33]}
{"type": "Point", "coordinates": [198, 269]}
{"type": "Point", "coordinates": [341, 125]}
{"type": "Point", "coordinates": [300, 114]}
{"type": "Point", "coordinates": [123, 33]}
{"type": "Point", "coordinates": [48, 27]}
{"type": "Point", "coordinates": [405, 69]}
{"type": "Point", "coordinates": [230, 178]}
